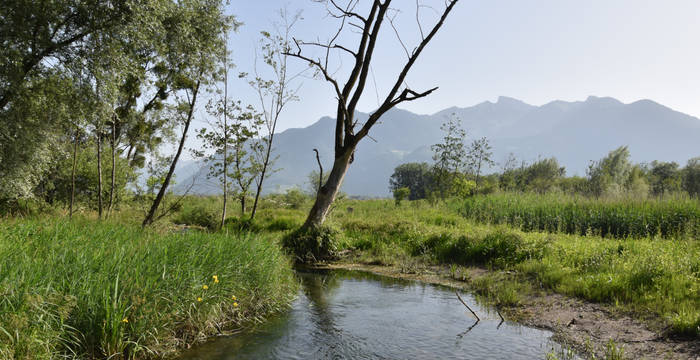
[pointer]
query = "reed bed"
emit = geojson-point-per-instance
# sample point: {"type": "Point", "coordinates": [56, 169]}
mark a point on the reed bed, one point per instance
{"type": "Point", "coordinates": [101, 290]}
{"type": "Point", "coordinates": [610, 218]}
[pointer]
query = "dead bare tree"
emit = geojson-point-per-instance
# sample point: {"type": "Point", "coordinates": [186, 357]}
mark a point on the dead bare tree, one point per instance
{"type": "Point", "coordinates": [349, 94]}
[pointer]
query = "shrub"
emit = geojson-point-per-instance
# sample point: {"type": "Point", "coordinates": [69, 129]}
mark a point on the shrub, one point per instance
{"type": "Point", "coordinates": [283, 224]}
{"type": "Point", "coordinates": [401, 194]}
{"type": "Point", "coordinates": [295, 198]}
{"type": "Point", "coordinates": [312, 244]}
{"type": "Point", "coordinates": [239, 225]}
{"type": "Point", "coordinates": [198, 215]}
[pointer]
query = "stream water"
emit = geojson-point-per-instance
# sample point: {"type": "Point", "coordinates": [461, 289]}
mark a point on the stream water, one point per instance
{"type": "Point", "coordinates": [357, 315]}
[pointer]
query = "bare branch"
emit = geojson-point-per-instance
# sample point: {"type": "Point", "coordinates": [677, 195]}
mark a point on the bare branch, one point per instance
{"type": "Point", "coordinates": [320, 171]}
{"type": "Point", "coordinates": [329, 46]}
{"type": "Point", "coordinates": [407, 94]}
{"type": "Point", "coordinates": [348, 11]}
{"type": "Point", "coordinates": [465, 304]}
{"type": "Point", "coordinates": [396, 31]}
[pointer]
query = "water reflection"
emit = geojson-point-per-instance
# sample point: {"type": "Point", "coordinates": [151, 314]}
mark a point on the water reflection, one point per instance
{"type": "Point", "coordinates": [355, 315]}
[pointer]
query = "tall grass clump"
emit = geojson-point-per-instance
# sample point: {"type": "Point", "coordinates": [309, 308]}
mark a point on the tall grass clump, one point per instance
{"type": "Point", "coordinates": [615, 218]}
{"type": "Point", "coordinates": [85, 289]}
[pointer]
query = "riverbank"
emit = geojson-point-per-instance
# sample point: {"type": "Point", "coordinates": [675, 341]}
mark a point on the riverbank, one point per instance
{"type": "Point", "coordinates": [591, 330]}
{"type": "Point", "coordinates": [643, 293]}
{"type": "Point", "coordinates": [88, 289]}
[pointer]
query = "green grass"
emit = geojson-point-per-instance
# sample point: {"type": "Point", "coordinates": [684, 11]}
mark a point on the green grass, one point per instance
{"type": "Point", "coordinates": [104, 290]}
{"type": "Point", "coordinates": [658, 279]}
{"type": "Point", "coordinates": [615, 218]}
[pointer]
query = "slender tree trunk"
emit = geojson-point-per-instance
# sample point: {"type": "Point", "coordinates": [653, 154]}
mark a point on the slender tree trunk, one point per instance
{"type": "Point", "coordinates": [99, 174]}
{"type": "Point", "coordinates": [328, 192]}
{"type": "Point", "coordinates": [72, 175]}
{"type": "Point", "coordinates": [242, 205]}
{"type": "Point", "coordinates": [223, 210]}
{"type": "Point", "coordinates": [114, 166]}
{"type": "Point", "coordinates": [266, 162]}
{"type": "Point", "coordinates": [164, 187]}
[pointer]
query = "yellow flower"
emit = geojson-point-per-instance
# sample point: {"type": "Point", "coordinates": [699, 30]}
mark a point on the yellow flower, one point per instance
{"type": "Point", "coordinates": [125, 320]}
{"type": "Point", "coordinates": [205, 287]}
{"type": "Point", "coordinates": [235, 304]}
{"type": "Point", "coordinates": [233, 297]}
{"type": "Point", "coordinates": [199, 299]}
{"type": "Point", "coordinates": [216, 278]}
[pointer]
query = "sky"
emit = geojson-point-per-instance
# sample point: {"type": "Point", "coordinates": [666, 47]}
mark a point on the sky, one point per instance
{"type": "Point", "coordinates": [536, 51]}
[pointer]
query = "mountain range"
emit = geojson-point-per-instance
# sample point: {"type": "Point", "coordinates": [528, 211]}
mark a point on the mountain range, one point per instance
{"type": "Point", "coordinates": [573, 132]}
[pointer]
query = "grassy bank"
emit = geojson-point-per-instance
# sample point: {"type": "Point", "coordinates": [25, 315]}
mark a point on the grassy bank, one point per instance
{"type": "Point", "coordinates": [657, 279]}
{"type": "Point", "coordinates": [106, 290]}
{"type": "Point", "coordinates": [619, 218]}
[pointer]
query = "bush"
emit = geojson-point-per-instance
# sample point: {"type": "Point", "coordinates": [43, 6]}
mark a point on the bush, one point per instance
{"type": "Point", "coordinates": [240, 225]}
{"type": "Point", "coordinates": [295, 198]}
{"type": "Point", "coordinates": [199, 215]}
{"type": "Point", "coordinates": [401, 194]}
{"type": "Point", "coordinates": [313, 244]}
{"type": "Point", "coordinates": [283, 224]}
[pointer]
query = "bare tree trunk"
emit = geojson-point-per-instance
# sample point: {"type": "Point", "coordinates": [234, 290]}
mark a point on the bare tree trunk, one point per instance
{"type": "Point", "coordinates": [99, 174]}
{"type": "Point", "coordinates": [72, 175]}
{"type": "Point", "coordinates": [164, 187]}
{"type": "Point", "coordinates": [114, 165]}
{"type": "Point", "coordinates": [327, 193]}
{"type": "Point", "coordinates": [348, 132]}
{"type": "Point", "coordinates": [242, 198]}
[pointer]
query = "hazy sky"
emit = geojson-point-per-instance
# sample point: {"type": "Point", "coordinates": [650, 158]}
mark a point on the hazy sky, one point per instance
{"type": "Point", "coordinates": [535, 50]}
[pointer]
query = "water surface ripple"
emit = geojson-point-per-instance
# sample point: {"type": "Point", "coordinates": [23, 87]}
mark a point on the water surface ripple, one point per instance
{"type": "Point", "coordinates": [356, 315]}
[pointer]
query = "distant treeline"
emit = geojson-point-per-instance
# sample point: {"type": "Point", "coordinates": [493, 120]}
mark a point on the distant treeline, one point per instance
{"type": "Point", "coordinates": [612, 176]}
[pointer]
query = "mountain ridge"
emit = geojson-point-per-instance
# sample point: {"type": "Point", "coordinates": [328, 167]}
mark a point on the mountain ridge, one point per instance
{"type": "Point", "coordinates": [575, 132]}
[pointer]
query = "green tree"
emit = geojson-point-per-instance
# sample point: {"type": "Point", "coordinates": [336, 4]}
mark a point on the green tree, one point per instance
{"type": "Point", "coordinates": [415, 176]}
{"type": "Point", "coordinates": [195, 43]}
{"type": "Point", "coordinates": [608, 175]}
{"type": "Point", "coordinates": [691, 177]}
{"type": "Point", "coordinates": [401, 194]}
{"type": "Point", "coordinates": [449, 156]}
{"type": "Point", "coordinates": [478, 156]}
{"type": "Point", "coordinates": [274, 93]}
{"type": "Point", "coordinates": [665, 177]}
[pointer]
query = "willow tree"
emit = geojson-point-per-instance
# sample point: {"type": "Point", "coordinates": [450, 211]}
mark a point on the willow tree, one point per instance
{"type": "Point", "coordinates": [195, 43]}
{"type": "Point", "coordinates": [348, 132]}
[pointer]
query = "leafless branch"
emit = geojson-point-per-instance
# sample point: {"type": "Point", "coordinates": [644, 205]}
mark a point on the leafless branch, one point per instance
{"type": "Point", "coordinates": [465, 304]}
{"type": "Point", "coordinates": [320, 171]}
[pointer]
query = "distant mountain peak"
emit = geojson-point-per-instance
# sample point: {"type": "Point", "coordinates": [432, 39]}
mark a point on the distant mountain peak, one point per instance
{"type": "Point", "coordinates": [507, 100]}
{"type": "Point", "coordinates": [606, 100]}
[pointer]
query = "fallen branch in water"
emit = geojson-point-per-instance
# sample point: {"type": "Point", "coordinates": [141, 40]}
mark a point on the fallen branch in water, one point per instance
{"type": "Point", "coordinates": [468, 330]}
{"type": "Point", "coordinates": [465, 304]}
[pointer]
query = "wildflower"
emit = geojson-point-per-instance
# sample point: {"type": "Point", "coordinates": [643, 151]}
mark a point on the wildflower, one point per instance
{"type": "Point", "coordinates": [199, 299]}
{"type": "Point", "coordinates": [125, 320]}
{"type": "Point", "coordinates": [233, 297]}
{"type": "Point", "coordinates": [235, 304]}
{"type": "Point", "coordinates": [205, 287]}
{"type": "Point", "coordinates": [216, 278]}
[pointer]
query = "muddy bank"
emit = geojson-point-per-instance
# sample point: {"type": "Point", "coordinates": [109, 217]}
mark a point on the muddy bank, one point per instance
{"type": "Point", "coordinates": [585, 326]}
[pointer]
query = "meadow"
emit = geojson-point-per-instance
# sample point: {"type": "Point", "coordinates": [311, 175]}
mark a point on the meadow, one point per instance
{"type": "Point", "coordinates": [108, 289]}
